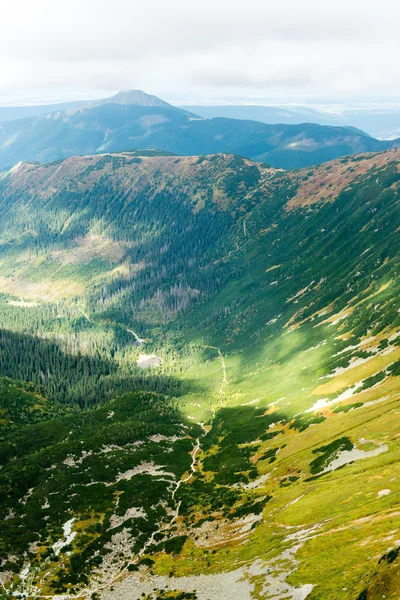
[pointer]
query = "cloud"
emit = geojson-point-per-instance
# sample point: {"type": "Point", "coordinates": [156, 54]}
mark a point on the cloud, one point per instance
{"type": "Point", "coordinates": [184, 50]}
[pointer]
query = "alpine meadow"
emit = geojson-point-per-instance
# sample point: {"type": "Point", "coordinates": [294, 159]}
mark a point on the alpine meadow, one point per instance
{"type": "Point", "coordinates": [199, 318]}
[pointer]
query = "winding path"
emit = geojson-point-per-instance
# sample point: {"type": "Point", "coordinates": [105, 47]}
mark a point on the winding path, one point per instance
{"type": "Point", "coordinates": [177, 484]}
{"type": "Point", "coordinates": [139, 340]}
{"type": "Point", "coordinates": [163, 528]}
{"type": "Point", "coordinates": [224, 377]}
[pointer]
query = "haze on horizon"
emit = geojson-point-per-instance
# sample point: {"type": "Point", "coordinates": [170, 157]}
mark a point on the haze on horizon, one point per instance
{"type": "Point", "coordinates": [216, 52]}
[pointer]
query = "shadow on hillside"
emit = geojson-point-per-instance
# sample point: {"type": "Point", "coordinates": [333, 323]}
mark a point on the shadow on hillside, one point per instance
{"type": "Point", "coordinates": [77, 379]}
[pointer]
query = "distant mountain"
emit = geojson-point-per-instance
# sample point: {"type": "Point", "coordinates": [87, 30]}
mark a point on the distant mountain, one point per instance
{"type": "Point", "coordinates": [136, 97]}
{"type": "Point", "coordinates": [272, 115]}
{"type": "Point", "coordinates": [381, 123]}
{"type": "Point", "coordinates": [124, 97]}
{"type": "Point", "coordinates": [11, 113]}
{"type": "Point", "coordinates": [132, 120]}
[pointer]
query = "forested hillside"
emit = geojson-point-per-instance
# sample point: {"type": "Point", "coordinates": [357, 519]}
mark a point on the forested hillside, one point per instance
{"type": "Point", "coordinates": [260, 458]}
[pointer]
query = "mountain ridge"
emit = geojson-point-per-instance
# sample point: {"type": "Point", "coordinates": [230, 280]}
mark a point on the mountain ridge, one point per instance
{"type": "Point", "coordinates": [127, 124]}
{"type": "Point", "coordinates": [382, 123]}
{"type": "Point", "coordinates": [131, 96]}
{"type": "Point", "coordinates": [263, 448]}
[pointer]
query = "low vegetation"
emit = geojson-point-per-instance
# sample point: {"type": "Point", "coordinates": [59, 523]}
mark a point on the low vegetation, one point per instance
{"type": "Point", "coordinates": [278, 324]}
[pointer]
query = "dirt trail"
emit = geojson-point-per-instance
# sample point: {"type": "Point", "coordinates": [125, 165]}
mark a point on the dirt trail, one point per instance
{"type": "Point", "coordinates": [177, 484]}
{"type": "Point", "coordinates": [85, 315]}
{"type": "Point", "coordinates": [139, 340]}
{"type": "Point", "coordinates": [224, 377]}
{"type": "Point", "coordinates": [54, 174]}
{"type": "Point", "coordinates": [163, 528]}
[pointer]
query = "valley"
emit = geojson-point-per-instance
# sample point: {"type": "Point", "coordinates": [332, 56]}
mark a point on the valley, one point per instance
{"type": "Point", "coordinates": [259, 458]}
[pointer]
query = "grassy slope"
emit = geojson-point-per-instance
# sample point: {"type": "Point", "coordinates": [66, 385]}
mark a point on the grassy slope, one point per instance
{"type": "Point", "coordinates": [97, 219]}
{"type": "Point", "coordinates": [308, 313]}
{"type": "Point", "coordinates": [301, 326]}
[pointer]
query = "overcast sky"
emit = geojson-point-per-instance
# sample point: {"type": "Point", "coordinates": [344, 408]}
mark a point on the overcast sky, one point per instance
{"type": "Point", "coordinates": [199, 52]}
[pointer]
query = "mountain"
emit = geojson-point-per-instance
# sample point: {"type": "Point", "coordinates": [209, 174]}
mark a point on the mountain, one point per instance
{"type": "Point", "coordinates": [272, 115]}
{"type": "Point", "coordinates": [133, 120]}
{"type": "Point", "coordinates": [11, 113]}
{"type": "Point", "coordinates": [259, 456]}
{"type": "Point", "coordinates": [382, 123]}
{"type": "Point", "coordinates": [124, 97]}
{"type": "Point", "coordinates": [136, 97]}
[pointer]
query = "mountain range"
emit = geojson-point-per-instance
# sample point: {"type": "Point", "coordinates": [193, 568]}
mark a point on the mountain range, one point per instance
{"type": "Point", "coordinates": [258, 456]}
{"type": "Point", "coordinates": [12, 113]}
{"type": "Point", "coordinates": [382, 123]}
{"type": "Point", "coordinates": [133, 120]}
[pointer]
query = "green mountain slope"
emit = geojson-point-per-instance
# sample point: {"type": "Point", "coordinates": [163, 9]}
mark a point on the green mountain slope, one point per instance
{"type": "Point", "coordinates": [260, 459]}
{"type": "Point", "coordinates": [20, 405]}
{"type": "Point", "coordinates": [132, 120]}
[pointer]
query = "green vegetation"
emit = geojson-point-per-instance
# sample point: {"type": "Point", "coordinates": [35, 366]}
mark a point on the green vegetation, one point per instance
{"type": "Point", "coordinates": [273, 300]}
{"type": "Point", "coordinates": [101, 467]}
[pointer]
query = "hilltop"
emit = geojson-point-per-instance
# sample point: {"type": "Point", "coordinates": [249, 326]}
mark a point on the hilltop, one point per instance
{"type": "Point", "coordinates": [137, 97]}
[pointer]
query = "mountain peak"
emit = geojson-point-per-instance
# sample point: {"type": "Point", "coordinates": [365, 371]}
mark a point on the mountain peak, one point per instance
{"type": "Point", "coordinates": [136, 97]}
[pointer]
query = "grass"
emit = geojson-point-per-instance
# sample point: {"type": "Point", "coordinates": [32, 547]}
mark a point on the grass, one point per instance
{"type": "Point", "coordinates": [286, 336]}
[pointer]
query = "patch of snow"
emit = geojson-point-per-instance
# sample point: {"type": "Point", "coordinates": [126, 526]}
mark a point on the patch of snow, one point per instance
{"type": "Point", "coordinates": [394, 336]}
{"type": "Point", "coordinates": [375, 401]}
{"type": "Point", "coordinates": [300, 292]}
{"type": "Point", "coordinates": [321, 403]}
{"type": "Point", "coordinates": [354, 362]}
{"type": "Point", "coordinates": [347, 456]}
{"type": "Point", "coordinates": [253, 484]}
{"type": "Point", "coordinates": [234, 585]}
{"type": "Point", "coordinates": [339, 318]}
{"type": "Point", "coordinates": [158, 437]}
{"type": "Point", "coordinates": [148, 360]}
{"type": "Point", "coordinates": [148, 468]}
{"type": "Point", "coordinates": [251, 402]}
{"type": "Point", "coordinates": [325, 402]}
{"type": "Point", "coordinates": [69, 535]}
{"type": "Point", "coordinates": [294, 501]}
{"type": "Point", "coordinates": [55, 173]}
{"type": "Point", "coordinates": [315, 347]}
{"type": "Point", "coordinates": [24, 573]}
{"type": "Point", "coordinates": [361, 343]}
{"type": "Point", "coordinates": [388, 350]}
{"type": "Point", "coordinates": [131, 513]}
